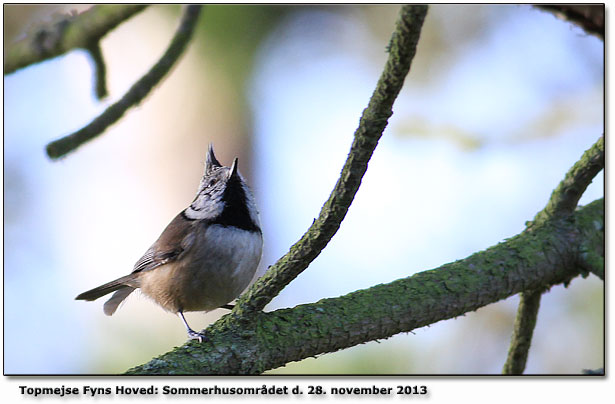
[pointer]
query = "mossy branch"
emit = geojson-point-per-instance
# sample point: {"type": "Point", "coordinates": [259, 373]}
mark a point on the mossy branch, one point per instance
{"type": "Point", "coordinates": [67, 33]}
{"type": "Point", "coordinates": [138, 91]}
{"type": "Point", "coordinates": [402, 49]}
{"type": "Point", "coordinates": [525, 322]}
{"type": "Point", "coordinates": [534, 259]}
{"type": "Point", "coordinates": [565, 197]}
{"type": "Point", "coordinates": [562, 203]}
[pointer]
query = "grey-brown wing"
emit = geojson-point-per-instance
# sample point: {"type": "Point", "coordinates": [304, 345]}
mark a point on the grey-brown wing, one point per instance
{"type": "Point", "coordinates": [154, 258]}
{"type": "Point", "coordinates": [175, 239]}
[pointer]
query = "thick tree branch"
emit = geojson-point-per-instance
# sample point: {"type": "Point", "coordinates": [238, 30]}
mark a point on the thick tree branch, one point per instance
{"type": "Point", "coordinates": [535, 259]}
{"type": "Point", "coordinates": [136, 93]}
{"type": "Point", "coordinates": [402, 49]}
{"type": "Point", "coordinates": [592, 259]}
{"type": "Point", "coordinates": [562, 203]}
{"type": "Point", "coordinates": [68, 33]}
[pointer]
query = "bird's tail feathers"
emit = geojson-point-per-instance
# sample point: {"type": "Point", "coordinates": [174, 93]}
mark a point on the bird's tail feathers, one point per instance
{"type": "Point", "coordinates": [118, 297]}
{"type": "Point", "coordinates": [120, 283]}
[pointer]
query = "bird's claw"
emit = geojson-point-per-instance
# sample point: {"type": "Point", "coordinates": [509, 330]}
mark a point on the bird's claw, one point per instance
{"type": "Point", "coordinates": [196, 335]}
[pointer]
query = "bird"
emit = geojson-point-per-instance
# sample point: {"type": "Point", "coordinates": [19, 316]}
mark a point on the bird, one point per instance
{"type": "Point", "coordinates": [205, 257]}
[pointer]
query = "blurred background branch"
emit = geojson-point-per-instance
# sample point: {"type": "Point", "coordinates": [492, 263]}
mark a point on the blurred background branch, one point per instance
{"type": "Point", "coordinates": [65, 33]}
{"type": "Point", "coordinates": [538, 259]}
{"type": "Point", "coordinates": [590, 17]}
{"type": "Point", "coordinates": [100, 70]}
{"type": "Point", "coordinates": [60, 147]}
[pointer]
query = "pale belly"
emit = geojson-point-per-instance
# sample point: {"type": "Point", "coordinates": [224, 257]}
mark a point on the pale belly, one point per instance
{"type": "Point", "coordinates": [209, 275]}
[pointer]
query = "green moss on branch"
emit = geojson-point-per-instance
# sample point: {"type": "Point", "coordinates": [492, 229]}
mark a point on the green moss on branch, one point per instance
{"type": "Point", "coordinates": [535, 259]}
{"type": "Point", "coordinates": [402, 49]}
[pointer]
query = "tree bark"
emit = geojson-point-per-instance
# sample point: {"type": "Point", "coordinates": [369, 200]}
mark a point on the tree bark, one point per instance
{"type": "Point", "coordinates": [542, 256]}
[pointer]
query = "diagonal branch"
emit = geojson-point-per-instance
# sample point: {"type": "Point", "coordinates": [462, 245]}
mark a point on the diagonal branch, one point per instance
{"type": "Point", "coordinates": [139, 90]}
{"type": "Point", "coordinates": [531, 260]}
{"type": "Point", "coordinates": [375, 117]}
{"type": "Point", "coordinates": [68, 33]}
{"type": "Point", "coordinates": [565, 197]}
{"type": "Point", "coordinates": [562, 203]}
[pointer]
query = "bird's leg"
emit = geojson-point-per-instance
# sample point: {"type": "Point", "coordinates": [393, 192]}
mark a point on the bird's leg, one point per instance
{"type": "Point", "coordinates": [191, 333]}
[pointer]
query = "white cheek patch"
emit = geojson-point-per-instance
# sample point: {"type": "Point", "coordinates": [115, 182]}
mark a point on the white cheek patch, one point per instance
{"type": "Point", "coordinates": [208, 202]}
{"type": "Point", "coordinates": [193, 214]}
{"type": "Point", "coordinates": [205, 212]}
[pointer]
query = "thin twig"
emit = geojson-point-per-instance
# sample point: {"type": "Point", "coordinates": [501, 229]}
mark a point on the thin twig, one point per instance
{"type": "Point", "coordinates": [375, 117]}
{"type": "Point", "coordinates": [522, 333]}
{"type": "Point", "coordinates": [67, 33]}
{"type": "Point", "coordinates": [136, 93]}
{"type": "Point", "coordinates": [562, 202]}
{"type": "Point", "coordinates": [100, 70]}
{"type": "Point", "coordinates": [565, 197]}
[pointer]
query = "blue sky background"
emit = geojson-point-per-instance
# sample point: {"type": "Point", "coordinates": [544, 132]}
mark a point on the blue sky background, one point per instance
{"type": "Point", "coordinates": [500, 102]}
